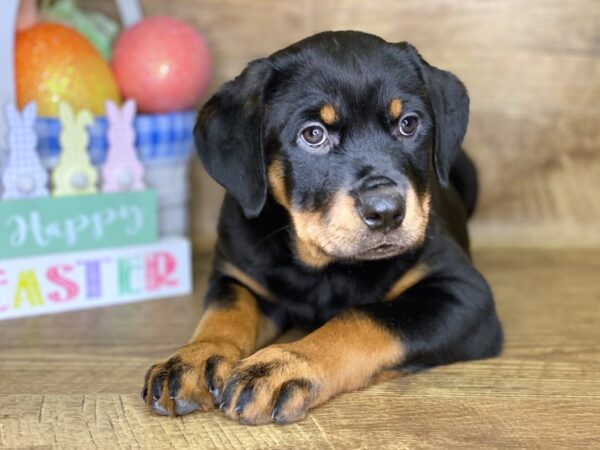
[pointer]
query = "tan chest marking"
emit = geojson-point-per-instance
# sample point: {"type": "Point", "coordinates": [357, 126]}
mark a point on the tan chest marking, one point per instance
{"type": "Point", "coordinates": [411, 277]}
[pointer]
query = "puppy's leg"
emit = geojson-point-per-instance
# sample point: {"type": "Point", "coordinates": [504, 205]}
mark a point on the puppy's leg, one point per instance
{"type": "Point", "coordinates": [435, 322]}
{"type": "Point", "coordinates": [280, 382]}
{"type": "Point", "coordinates": [193, 377]}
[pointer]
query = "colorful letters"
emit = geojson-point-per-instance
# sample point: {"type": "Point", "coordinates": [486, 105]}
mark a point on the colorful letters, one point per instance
{"type": "Point", "coordinates": [82, 279]}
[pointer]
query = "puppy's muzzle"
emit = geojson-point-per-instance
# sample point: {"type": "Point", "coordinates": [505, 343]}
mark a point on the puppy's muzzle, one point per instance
{"type": "Point", "coordinates": [380, 204]}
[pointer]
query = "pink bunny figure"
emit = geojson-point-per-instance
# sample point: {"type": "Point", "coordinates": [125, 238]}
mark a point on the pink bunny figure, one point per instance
{"type": "Point", "coordinates": [24, 175]}
{"type": "Point", "coordinates": [122, 170]}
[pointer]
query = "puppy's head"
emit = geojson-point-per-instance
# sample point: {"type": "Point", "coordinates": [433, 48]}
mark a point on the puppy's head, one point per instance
{"type": "Point", "coordinates": [344, 130]}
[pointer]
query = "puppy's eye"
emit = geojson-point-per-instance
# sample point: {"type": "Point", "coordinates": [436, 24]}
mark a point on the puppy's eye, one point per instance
{"type": "Point", "coordinates": [314, 135]}
{"type": "Point", "coordinates": [408, 125]}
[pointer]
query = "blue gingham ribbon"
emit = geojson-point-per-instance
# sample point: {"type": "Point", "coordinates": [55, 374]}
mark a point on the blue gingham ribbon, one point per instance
{"type": "Point", "coordinates": [160, 138]}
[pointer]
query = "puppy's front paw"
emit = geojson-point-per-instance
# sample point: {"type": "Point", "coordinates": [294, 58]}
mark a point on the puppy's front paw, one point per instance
{"type": "Point", "coordinates": [191, 379]}
{"type": "Point", "coordinates": [276, 384]}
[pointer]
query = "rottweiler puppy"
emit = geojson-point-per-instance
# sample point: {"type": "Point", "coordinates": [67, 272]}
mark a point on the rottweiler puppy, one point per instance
{"type": "Point", "coordinates": [348, 195]}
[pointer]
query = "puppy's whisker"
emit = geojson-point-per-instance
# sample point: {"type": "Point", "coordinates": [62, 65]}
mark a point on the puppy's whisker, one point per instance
{"type": "Point", "coordinates": [272, 234]}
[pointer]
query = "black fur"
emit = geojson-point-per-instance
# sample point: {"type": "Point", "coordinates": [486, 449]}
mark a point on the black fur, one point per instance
{"type": "Point", "coordinates": [231, 147]}
{"type": "Point", "coordinates": [255, 119]}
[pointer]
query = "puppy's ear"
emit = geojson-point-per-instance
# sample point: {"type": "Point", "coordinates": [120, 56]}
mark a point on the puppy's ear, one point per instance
{"type": "Point", "coordinates": [450, 103]}
{"type": "Point", "coordinates": [228, 136]}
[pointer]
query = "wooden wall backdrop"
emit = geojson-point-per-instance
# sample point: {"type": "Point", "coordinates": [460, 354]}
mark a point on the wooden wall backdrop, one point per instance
{"type": "Point", "coordinates": [532, 69]}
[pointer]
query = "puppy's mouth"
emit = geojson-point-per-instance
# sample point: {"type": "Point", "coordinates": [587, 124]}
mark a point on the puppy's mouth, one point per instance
{"type": "Point", "coordinates": [381, 251]}
{"type": "Point", "coordinates": [360, 251]}
{"type": "Point", "coordinates": [371, 252]}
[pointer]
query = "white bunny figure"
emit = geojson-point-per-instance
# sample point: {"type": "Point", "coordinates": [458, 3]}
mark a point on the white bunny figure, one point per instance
{"type": "Point", "coordinates": [74, 174]}
{"type": "Point", "coordinates": [24, 175]}
{"type": "Point", "coordinates": [122, 170]}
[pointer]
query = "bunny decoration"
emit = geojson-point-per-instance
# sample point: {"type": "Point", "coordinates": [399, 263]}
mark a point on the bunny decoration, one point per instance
{"type": "Point", "coordinates": [74, 174]}
{"type": "Point", "coordinates": [122, 170]}
{"type": "Point", "coordinates": [24, 176]}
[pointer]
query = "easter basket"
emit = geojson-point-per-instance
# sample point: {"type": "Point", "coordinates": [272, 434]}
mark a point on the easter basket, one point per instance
{"type": "Point", "coordinates": [92, 209]}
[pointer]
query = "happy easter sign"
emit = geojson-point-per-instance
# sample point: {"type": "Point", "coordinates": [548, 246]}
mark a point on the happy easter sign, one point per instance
{"type": "Point", "coordinates": [49, 225]}
{"type": "Point", "coordinates": [80, 280]}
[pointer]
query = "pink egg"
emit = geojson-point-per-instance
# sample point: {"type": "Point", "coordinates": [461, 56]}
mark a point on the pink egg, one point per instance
{"type": "Point", "coordinates": [162, 63]}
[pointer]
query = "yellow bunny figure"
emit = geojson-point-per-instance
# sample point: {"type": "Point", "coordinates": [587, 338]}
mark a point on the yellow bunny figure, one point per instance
{"type": "Point", "coordinates": [74, 174]}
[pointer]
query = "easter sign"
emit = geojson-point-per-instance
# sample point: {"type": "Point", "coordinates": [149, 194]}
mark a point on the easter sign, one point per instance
{"type": "Point", "coordinates": [81, 280]}
{"type": "Point", "coordinates": [49, 225]}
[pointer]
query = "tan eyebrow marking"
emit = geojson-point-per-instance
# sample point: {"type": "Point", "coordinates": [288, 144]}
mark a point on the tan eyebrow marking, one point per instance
{"type": "Point", "coordinates": [328, 114]}
{"type": "Point", "coordinates": [395, 108]}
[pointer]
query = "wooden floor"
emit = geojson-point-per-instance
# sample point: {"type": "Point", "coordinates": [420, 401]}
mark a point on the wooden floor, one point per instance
{"type": "Point", "coordinates": [73, 380]}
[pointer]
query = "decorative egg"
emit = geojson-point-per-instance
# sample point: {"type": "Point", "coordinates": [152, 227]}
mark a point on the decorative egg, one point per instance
{"type": "Point", "coordinates": [162, 63]}
{"type": "Point", "coordinates": [55, 63]}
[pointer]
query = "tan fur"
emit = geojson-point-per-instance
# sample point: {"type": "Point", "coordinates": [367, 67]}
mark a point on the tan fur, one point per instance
{"type": "Point", "coordinates": [416, 217]}
{"type": "Point", "coordinates": [343, 215]}
{"type": "Point", "coordinates": [276, 178]}
{"type": "Point", "coordinates": [311, 255]}
{"type": "Point", "coordinates": [306, 224]}
{"type": "Point", "coordinates": [236, 273]}
{"type": "Point", "coordinates": [244, 323]}
{"type": "Point", "coordinates": [267, 331]}
{"type": "Point", "coordinates": [328, 114]}
{"type": "Point", "coordinates": [349, 350]}
{"type": "Point", "coordinates": [237, 323]}
{"type": "Point", "coordinates": [230, 331]}
{"type": "Point", "coordinates": [286, 365]}
{"type": "Point", "coordinates": [258, 411]}
{"type": "Point", "coordinates": [298, 400]}
{"type": "Point", "coordinates": [345, 354]}
{"type": "Point", "coordinates": [395, 108]}
{"type": "Point", "coordinates": [411, 277]}
{"type": "Point", "coordinates": [320, 235]}
{"type": "Point", "coordinates": [385, 375]}
{"type": "Point", "coordinates": [193, 357]}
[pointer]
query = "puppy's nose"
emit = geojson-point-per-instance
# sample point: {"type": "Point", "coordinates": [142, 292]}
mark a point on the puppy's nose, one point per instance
{"type": "Point", "coordinates": [382, 208]}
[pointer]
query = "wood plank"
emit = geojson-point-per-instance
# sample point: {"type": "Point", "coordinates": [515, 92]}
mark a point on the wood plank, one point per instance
{"type": "Point", "coordinates": [72, 380]}
{"type": "Point", "coordinates": [510, 24]}
{"type": "Point", "coordinates": [381, 420]}
{"type": "Point", "coordinates": [532, 70]}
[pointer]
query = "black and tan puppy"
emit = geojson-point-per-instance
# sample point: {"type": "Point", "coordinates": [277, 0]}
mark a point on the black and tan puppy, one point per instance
{"type": "Point", "coordinates": [346, 207]}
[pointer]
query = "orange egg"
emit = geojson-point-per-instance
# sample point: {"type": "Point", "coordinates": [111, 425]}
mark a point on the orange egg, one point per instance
{"type": "Point", "coordinates": [54, 63]}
